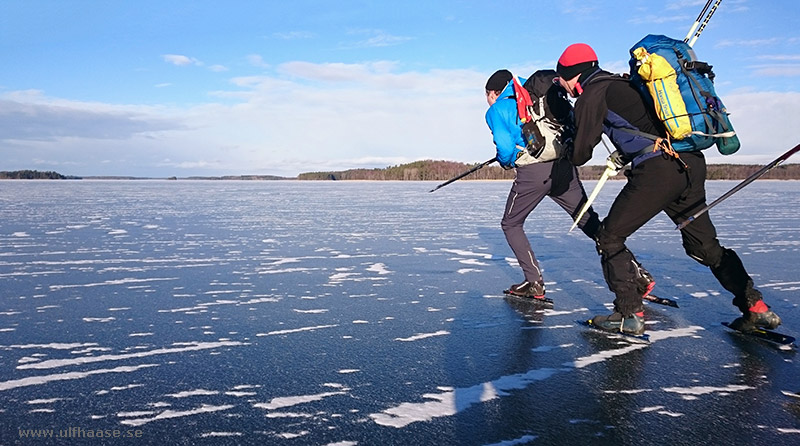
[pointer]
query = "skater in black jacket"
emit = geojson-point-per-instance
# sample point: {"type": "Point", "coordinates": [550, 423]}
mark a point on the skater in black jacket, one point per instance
{"type": "Point", "coordinates": [659, 180]}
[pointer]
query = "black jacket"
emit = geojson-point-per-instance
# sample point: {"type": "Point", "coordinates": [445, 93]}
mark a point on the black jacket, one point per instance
{"type": "Point", "coordinates": [607, 104]}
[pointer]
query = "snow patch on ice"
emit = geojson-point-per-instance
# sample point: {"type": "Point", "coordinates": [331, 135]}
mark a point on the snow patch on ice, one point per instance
{"type": "Point", "coordinates": [197, 392]}
{"type": "Point", "coordinates": [462, 252]}
{"type": "Point", "coordinates": [193, 346]}
{"type": "Point", "coordinates": [168, 414]}
{"type": "Point", "coordinates": [450, 402]}
{"type": "Point", "coordinates": [379, 268]}
{"type": "Point", "coordinates": [704, 390]}
{"type": "Point", "coordinates": [45, 379]}
{"type": "Point", "coordinates": [296, 330]}
{"type": "Point", "coordinates": [547, 348]}
{"type": "Point", "coordinates": [469, 270]}
{"type": "Point", "coordinates": [521, 440]}
{"type": "Point", "coordinates": [290, 401]}
{"type": "Point", "coordinates": [419, 336]}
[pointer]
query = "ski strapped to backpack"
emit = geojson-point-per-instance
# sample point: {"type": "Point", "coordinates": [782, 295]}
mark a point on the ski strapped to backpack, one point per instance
{"type": "Point", "coordinates": [681, 88]}
{"type": "Point", "coordinates": [546, 115]}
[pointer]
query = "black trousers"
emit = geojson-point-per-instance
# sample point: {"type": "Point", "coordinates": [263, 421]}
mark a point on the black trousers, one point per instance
{"type": "Point", "coordinates": [663, 184]}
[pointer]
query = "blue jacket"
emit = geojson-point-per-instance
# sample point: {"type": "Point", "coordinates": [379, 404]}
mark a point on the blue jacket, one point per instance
{"type": "Point", "coordinates": [503, 121]}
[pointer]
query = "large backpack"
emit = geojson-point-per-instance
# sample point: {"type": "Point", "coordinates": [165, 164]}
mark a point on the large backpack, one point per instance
{"type": "Point", "coordinates": [667, 73]}
{"type": "Point", "coordinates": [547, 116]}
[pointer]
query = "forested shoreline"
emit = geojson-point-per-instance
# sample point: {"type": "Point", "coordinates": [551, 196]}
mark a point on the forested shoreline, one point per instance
{"type": "Point", "coordinates": [443, 170]}
{"type": "Point", "coordinates": [430, 170]}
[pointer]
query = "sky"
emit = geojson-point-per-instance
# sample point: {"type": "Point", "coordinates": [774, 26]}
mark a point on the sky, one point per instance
{"type": "Point", "coordinates": [243, 87]}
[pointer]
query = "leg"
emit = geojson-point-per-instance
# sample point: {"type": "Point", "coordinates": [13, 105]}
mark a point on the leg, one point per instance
{"type": "Point", "coordinates": [572, 197]}
{"type": "Point", "coordinates": [572, 200]}
{"type": "Point", "coordinates": [529, 188]}
{"type": "Point", "coordinates": [700, 243]}
{"type": "Point", "coordinates": [651, 186]}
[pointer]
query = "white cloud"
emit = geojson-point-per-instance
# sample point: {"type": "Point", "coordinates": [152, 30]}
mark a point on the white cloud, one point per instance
{"type": "Point", "coordinates": [660, 18]}
{"type": "Point", "coordinates": [257, 61]}
{"type": "Point", "coordinates": [776, 70]}
{"type": "Point", "coordinates": [179, 60]}
{"type": "Point", "coordinates": [376, 39]}
{"type": "Point", "coordinates": [748, 43]}
{"type": "Point", "coordinates": [294, 35]}
{"type": "Point", "coordinates": [307, 117]}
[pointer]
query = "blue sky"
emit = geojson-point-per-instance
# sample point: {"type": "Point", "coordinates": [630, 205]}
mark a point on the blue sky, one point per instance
{"type": "Point", "coordinates": [184, 88]}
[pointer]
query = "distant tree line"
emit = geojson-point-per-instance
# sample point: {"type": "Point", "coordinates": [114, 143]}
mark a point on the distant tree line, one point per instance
{"type": "Point", "coordinates": [34, 175]}
{"type": "Point", "coordinates": [426, 170]}
{"type": "Point", "coordinates": [429, 170]}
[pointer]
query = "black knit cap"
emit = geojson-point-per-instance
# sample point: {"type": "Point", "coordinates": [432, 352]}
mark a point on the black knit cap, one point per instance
{"type": "Point", "coordinates": [499, 80]}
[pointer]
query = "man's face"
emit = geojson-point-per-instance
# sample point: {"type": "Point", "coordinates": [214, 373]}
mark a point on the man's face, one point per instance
{"type": "Point", "coordinates": [569, 85]}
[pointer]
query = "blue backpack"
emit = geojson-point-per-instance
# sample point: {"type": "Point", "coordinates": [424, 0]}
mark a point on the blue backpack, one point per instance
{"type": "Point", "coordinates": [703, 108]}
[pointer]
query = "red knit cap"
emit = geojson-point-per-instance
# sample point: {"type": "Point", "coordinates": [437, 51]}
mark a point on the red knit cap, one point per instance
{"type": "Point", "coordinates": [575, 59]}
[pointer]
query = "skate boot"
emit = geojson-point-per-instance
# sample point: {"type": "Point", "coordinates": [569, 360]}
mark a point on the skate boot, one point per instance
{"type": "Point", "coordinates": [757, 316]}
{"type": "Point", "coordinates": [616, 322]}
{"type": "Point", "coordinates": [533, 290]}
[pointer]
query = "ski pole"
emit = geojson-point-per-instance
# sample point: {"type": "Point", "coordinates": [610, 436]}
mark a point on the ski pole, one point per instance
{"type": "Point", "coordinates": [697, 21]}
{"type": "Point", "coordinates": [705, 22]}
{"type": "Point", "coordinates": [596, 190]}
{"type": "Point", "coordinates": [610, 171]}
{"type": "Point", "coordinates": [462, 175]}
{"type": "Point", "coordinates": [744, 183]}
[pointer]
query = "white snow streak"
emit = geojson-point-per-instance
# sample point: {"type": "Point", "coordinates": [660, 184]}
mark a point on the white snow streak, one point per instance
{"type": "Point", "coordinates": [167, 414]}
{"type": "Point", "coordinates": [44, 379]}
{"type": "Point", "coordinates": [296, 330]}
{"type": "Point", "coordinates": [419, 336]}
{"type": "Point", "coordinates": [54, 363]}
{"type": "Point", "coordinates": [289, 401]}
{"type": "Point", "coordinates": [444, 403]}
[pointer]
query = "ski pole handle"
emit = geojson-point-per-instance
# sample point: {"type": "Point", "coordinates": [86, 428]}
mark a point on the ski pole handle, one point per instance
{"type": "Point", "coordinates": [697, 22]}
{"type": "Point", "coordinates": [705, 22]}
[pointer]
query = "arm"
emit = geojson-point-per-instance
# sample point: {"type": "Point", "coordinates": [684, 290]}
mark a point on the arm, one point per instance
{"type": "Point", "coordinates": [589, 115]}
{"type": "Point", "coordinates": [506, 134]}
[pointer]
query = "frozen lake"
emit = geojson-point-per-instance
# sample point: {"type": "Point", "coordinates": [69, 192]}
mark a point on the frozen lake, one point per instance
{"type": "Point", "coordinates": [367, 313]}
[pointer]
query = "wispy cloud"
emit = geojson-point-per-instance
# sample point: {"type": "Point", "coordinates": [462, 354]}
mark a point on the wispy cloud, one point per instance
{"type": "Point", "coordinates": [294, 35]}
{"type": "Point", "coordinates": [748, 43]}
{"type": "Point", "coordinates": [685, 4]}
{"type": "Point", "coordinates": [375, 39]}
{"type": "Point", "coordinates": [180, 60]}
{"type": "Point", "coordinates": [660, 18]}
{"type": "Point", "coordinates": [780, 57]}
{"type": "Point", "coordinates": [776, 70]}
{"type": "Point", "coordinates": [257, 61]}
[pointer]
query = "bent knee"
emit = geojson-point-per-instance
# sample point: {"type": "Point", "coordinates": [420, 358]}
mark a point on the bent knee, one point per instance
{"type": "Point", "coordinates": [708, 254]}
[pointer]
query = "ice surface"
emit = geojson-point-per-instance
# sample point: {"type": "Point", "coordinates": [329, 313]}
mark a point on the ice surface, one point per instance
{"type": "Point", "coordinates": [359, 313]}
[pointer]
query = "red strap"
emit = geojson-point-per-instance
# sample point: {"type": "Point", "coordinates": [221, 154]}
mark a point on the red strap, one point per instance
{"type": "Point", "coordinates": [759, 307]}
{"type": "Point", "coordinates": [523, 101]}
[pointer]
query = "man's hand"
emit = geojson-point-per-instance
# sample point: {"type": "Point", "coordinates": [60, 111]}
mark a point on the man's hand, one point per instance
{"type": "Point", "coordinates": [615, 161]}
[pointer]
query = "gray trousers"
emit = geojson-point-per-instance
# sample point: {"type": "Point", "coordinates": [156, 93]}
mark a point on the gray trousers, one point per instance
{"type": "Point", "coordinates": [556, 179]}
